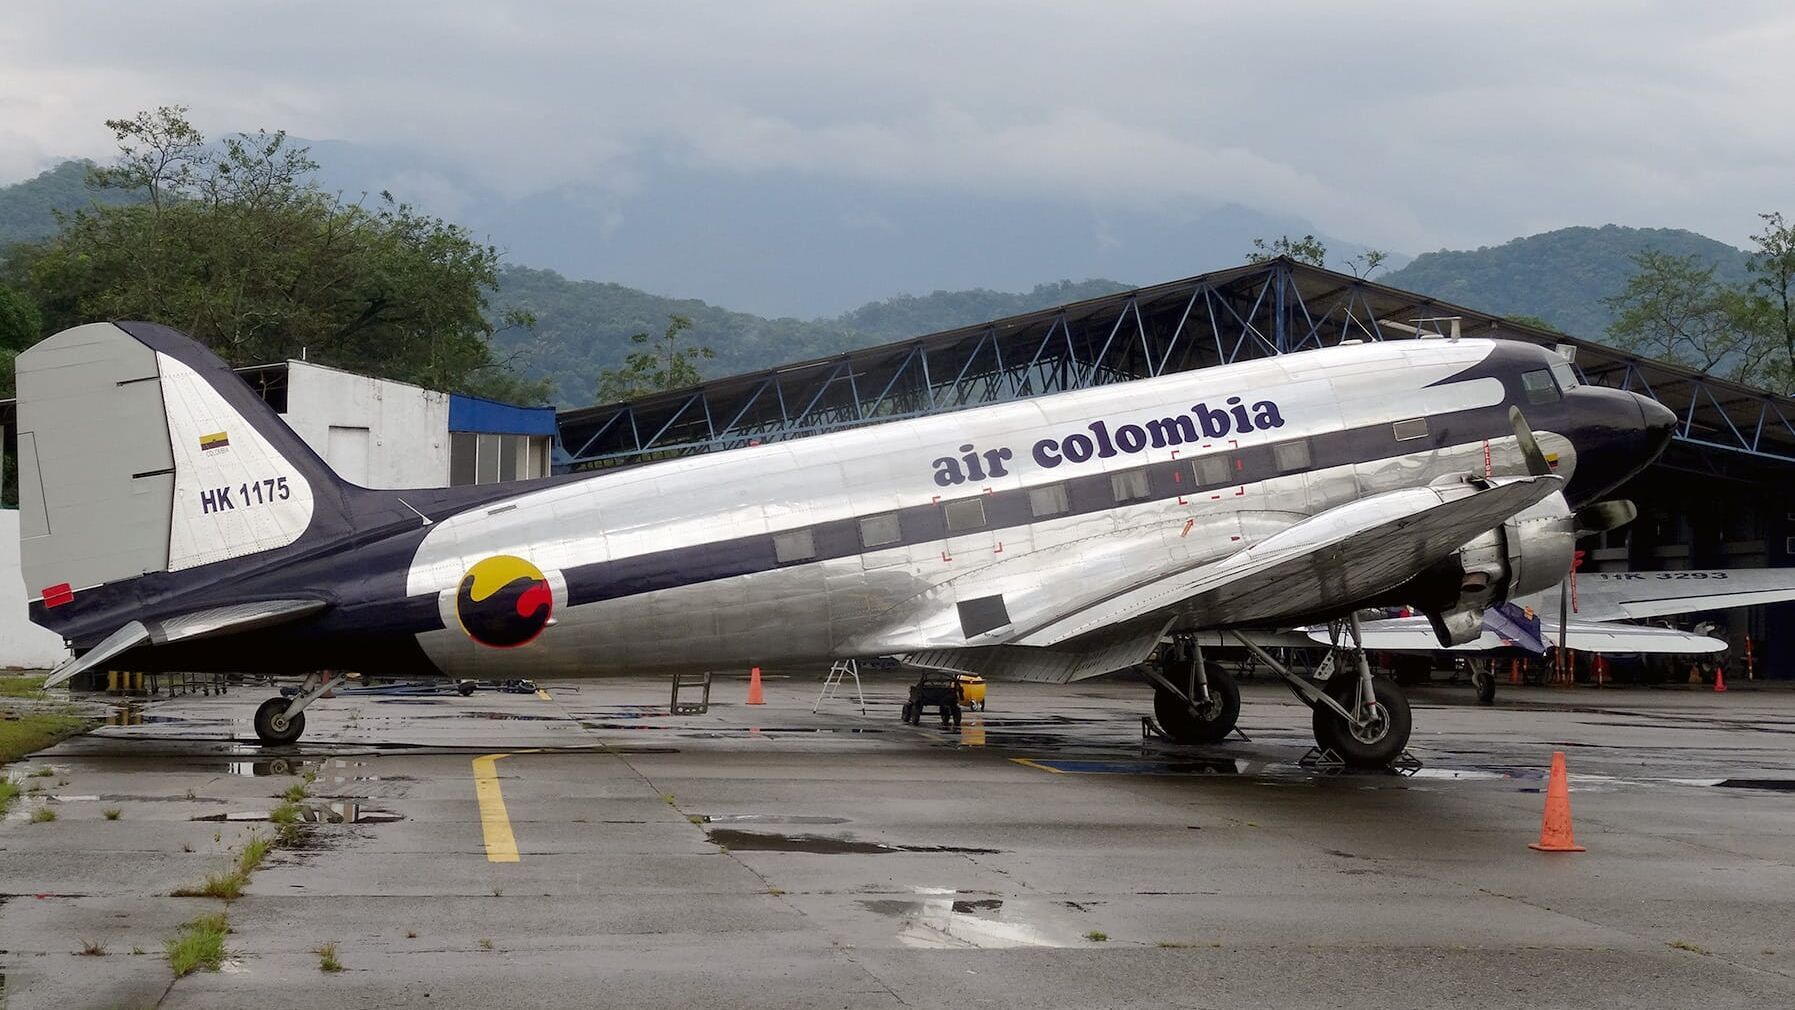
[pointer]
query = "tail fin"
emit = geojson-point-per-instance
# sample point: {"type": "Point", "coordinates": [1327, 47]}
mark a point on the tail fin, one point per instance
{"type": "Point", "coordinates": [140, 451]}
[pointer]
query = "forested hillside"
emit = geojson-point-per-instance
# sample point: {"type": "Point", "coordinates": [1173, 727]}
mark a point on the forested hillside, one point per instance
{"type": "Point", "coordinates": [27, 209]}
{"type": "Point", "coordinates": [1560, 276]}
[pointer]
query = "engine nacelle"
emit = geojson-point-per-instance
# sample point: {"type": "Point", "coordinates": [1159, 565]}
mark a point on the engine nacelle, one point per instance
{"type": "Point", "coordinates": [1530, 552]}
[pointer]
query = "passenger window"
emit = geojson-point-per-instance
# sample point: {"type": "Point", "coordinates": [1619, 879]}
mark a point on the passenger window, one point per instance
{"type": "Point", "coordinates": [1414, 427]}
{"type": "Point", "coordinates": [965, 514]}
{"type": "Point", "coordinates": [877, 531]}
{"type": "Point", "coordinates": [1292, 456]}
{"type": "Point", "coordinates": [1212, 471]}
{"type": "Point", "coordinates": [797, 545]}
{"type": "Point", "coordinates": [1130, 485]}
{"type": "Point", "coordinates": [1048, 501]}
{"type": "Point", "coordinates": [1539, 386]}
{"type": "Point", "coordinates": [1565, 374]}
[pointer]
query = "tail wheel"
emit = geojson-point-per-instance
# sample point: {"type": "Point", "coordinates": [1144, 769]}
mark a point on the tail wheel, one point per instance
{"type": "Point", "coordinates": [1383, 735]}
{"type": "Point", "coordinates": [274, 726]}
{"type": "Point", "coordinates": [1211, 721]}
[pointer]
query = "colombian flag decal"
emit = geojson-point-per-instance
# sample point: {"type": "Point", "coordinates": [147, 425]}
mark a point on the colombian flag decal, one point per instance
{"type": "Point", "coordinates": [216, 440]}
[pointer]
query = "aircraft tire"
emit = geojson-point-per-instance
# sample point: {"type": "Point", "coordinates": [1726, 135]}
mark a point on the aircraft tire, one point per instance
{"type": "Point", "coordinates": [465, 688]}
{"type": "Point", "coordinates": [1210, 725]}
{"type": "Point", "coordinates": [1484, 683]}
{"type": "Point", "coordinates": [1376, 747]}
{"type": "Point", "coordinates": [266, 718]}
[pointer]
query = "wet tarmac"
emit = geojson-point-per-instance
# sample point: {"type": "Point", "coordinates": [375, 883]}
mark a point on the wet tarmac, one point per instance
{"type": "Point", "coordinates": [589, 849]}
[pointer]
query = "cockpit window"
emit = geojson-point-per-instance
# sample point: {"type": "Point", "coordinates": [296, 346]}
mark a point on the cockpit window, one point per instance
{"type": "Point", "coordinates": [1539, 386]}
{"type": "Point", "coordinates": [1565, 374]}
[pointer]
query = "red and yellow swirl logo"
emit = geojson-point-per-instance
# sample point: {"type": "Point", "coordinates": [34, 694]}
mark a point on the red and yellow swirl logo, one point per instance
{"type": "Point", "coordinates": [504, 602]}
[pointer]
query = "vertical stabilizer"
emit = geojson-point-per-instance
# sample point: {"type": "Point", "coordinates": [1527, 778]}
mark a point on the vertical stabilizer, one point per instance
{"type": "Point", "coordinates": [140, 451]}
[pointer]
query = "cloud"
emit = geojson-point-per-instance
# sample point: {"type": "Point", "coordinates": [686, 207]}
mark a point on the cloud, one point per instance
{"type": "Point", "coordinates": [1408, 124]}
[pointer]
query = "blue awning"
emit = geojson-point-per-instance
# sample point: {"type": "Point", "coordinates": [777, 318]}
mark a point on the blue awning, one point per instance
{"type": "Point", "coordinates": [490, 417]}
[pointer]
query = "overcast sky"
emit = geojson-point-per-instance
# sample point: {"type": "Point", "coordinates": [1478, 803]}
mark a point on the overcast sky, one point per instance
{"type": "Point", "coordinates": [1407, 125]}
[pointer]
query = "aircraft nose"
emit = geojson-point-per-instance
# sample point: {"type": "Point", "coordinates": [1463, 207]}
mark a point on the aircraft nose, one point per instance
{"type": "Point", "coordinates": [1660, 423]}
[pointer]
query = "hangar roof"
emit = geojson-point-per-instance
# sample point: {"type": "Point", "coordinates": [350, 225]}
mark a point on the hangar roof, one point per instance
{"type": "Point", "coordinates": [1252, 310]}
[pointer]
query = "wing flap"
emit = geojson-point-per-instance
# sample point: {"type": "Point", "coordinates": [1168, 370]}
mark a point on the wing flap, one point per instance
{"type": "Point", "coordinates": [1093, 656]}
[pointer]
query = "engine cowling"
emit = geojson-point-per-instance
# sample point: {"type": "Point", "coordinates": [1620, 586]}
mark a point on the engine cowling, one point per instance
{"type": "Point", "coordinates": [1530, 552]}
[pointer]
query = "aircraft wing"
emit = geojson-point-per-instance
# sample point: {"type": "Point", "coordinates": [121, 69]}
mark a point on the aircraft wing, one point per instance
{"type": "Point", "coordinates": [1345, 554]}
{"type": "Point", "coordinates": [1414, 634]}
{"type": "Point", "coordinates": [1614, 596]}
{"type": "Point", "coordinates": [195, 624]}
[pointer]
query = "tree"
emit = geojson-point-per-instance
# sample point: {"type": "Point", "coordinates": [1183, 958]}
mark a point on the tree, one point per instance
{"type": "Point", "coordinates": [237, 246]}
{"type": "Point", "coordinates": [1307, 249]}
{"type": "Point", "coordinates": [1768, 299]}
{"type": "Point", "coordinates": [660, 364]}
{"type": "Point", "coordinates": [20, 327]}
{"type": "Point", "coordinates": [1672, 308]}
{"type": "Point", "coordinates": [1366, 263]}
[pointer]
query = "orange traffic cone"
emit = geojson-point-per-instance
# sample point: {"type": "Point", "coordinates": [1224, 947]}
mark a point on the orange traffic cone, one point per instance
{"type": "Point", "coordinates": [1555, 826]}
{"type": "Point", "coordinates": [754, 695]}
{"type": "Point", "coordinates": [1720, 680]}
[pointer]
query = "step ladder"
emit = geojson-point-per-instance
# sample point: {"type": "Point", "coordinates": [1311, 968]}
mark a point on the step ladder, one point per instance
{"type": "Point", "coordinates": [843, 669]}
{"type": "Point", "coordinates": [689, 682]}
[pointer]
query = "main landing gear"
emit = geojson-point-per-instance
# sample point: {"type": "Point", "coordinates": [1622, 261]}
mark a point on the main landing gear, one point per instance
{"type": "Point", "coordinates": [280, 721]}
{"type": "Point", "coordinates": [1361, 721]}
{"type": "Point", "coordinates": [1192, 703]}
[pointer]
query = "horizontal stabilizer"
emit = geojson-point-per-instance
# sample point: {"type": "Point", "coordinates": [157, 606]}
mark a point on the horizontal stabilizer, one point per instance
{"type": "Point", "coordinates": [197, 624]}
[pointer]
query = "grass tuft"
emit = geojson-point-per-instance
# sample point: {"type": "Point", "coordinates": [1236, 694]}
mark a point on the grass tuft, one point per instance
{"type": "Point", "coordinates": [224, 886]}
{"type": "Point", "coordinates": [43, 773]}
{"type": "Point", "coordinates": [92, 948]}
{"type": "Point", "coordinates": [111, 813]}
{"type": "Point", "coordinates": [287, 813]}
{"type": "Point", "coordinates": [485, 944]}
{"type": "Point", "coordinates": [33, 732]}
{"type": "Point", "coordinates": [295, 793]}
{"type": "Point", "coordinates": [254, 851]}
{"type": "Point", "coordinates": [1690, 947]}
{"type": "Point", "coordinates": [9, 791]}
{"type": "Point", "coordinates": [198, 944]}
{"type": "Point", "coordinates": [21, 687]}
{"type": "Point", "coordinates": [42, 814]}
{"type": "Point", "coordinates": [1096, 936]}
{"type": "Point", "coordinates": [327, 957]}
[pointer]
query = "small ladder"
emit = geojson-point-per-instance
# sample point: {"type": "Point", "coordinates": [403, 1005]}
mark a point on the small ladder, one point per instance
{"type": "Point", "coordinates": [843, 669]}
{"type": "Point", "coordinates": [689, 681]}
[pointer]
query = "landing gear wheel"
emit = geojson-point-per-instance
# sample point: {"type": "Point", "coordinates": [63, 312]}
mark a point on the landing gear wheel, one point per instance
{"type": "Point", "coordinates": [909, 713]}
{"type": "Point", "coordinates": [465, 688]}
{"type": "Point", "coordinates": [1212, 721]}
{"type": "Point", "coordinates": [274, 727]}
{"type": "Point", "coordinates": [1380, 740]}
{"type": "Point", "coordinates": [1484, 683]}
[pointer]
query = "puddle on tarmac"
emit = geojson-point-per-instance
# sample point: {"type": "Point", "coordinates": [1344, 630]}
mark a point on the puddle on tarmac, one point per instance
{"type": "Point", "coordinates": [771, 819]}
{"type": "Point", "coordinates": [757, 841]}
{"type": "Point", "coordinates": [1772, 785]}
{"type": "Point", "coordinates": [134, 715]}
{"type": "Point", "coordinates": [328, 812]}
{"type": "Point", "coordinates": [508, 715]}
{"type": "Point", "coordinates": [947, 922]}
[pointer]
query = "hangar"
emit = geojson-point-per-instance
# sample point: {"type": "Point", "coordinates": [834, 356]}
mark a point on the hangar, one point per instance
{"type": "Point", "coordinates": [1718, 498]}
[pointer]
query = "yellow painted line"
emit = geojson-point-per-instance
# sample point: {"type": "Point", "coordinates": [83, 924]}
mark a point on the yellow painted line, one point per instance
{"type": "Point", "coordinates": [544, 695]}
{"type": "Point", "coordinates": [501, 845]}
{"type": "Point", "coordinates": [1035, 764]}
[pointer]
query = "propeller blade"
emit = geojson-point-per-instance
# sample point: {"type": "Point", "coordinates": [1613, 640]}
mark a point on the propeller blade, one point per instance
{"type": "Point", "coordinates": [1604, 516]}
{"type": "Point", "coordinates": [1536, 460]}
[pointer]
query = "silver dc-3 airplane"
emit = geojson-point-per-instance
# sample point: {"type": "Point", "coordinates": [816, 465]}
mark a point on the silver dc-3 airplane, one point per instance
{"type": "Point", "coordinates": [171, 521]}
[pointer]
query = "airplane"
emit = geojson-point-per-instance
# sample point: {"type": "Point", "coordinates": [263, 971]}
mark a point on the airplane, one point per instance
{"type": "Point", "coordinates": [172, 522]}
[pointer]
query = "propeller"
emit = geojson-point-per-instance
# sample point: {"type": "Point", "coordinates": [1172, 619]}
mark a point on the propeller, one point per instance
{"type": "Point", "coordinates": [1604, 516]}
{"type": "Point", "coordinates": [1536, 460]}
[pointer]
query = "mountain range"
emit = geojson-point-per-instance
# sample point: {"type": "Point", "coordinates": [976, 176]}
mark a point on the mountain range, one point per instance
{"type": "Point", "coordinates": [583, 326]}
